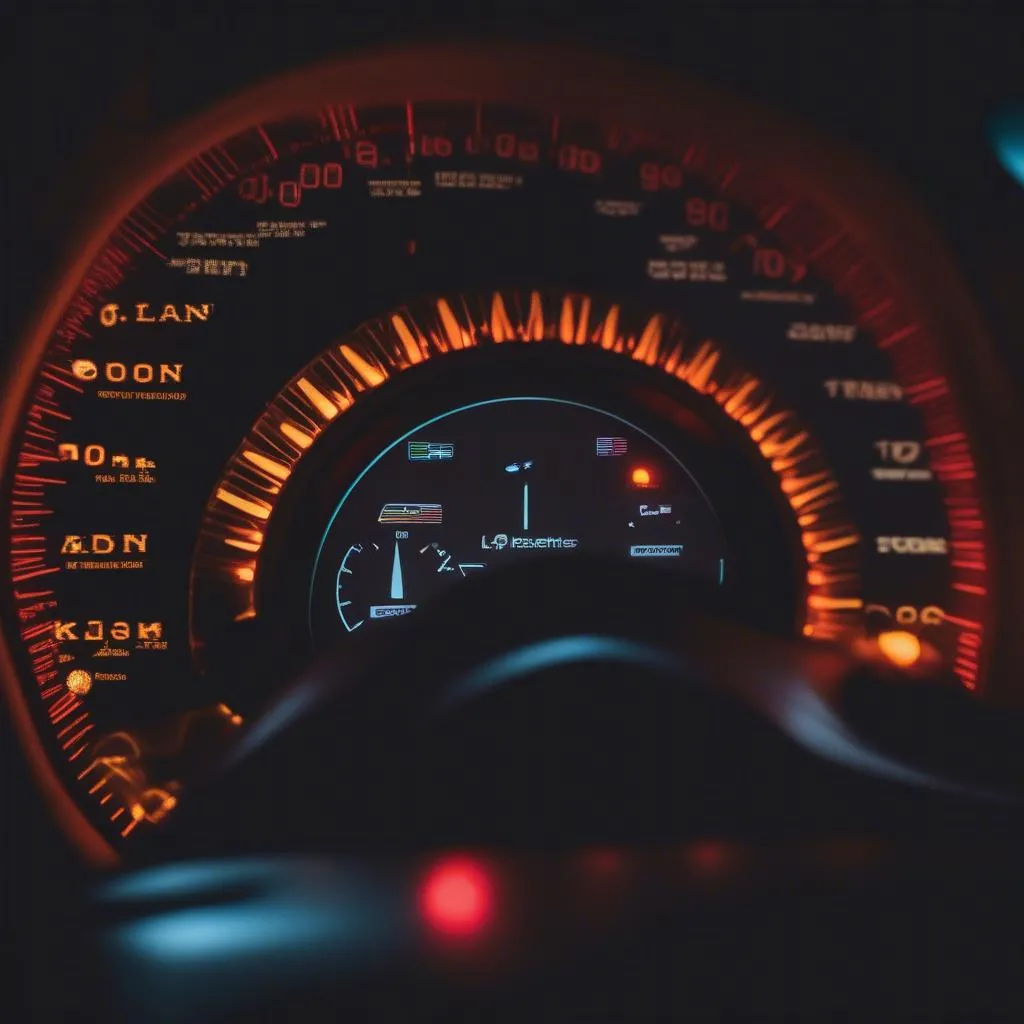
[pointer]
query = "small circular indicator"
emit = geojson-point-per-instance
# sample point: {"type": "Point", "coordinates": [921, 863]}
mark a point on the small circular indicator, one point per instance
{"type": "Point", "coordinates": [641, 477]}
{"type": "Point", "coordinates": [79, 682]}
{"type": "Point", "coordinates": [903, 649]}
{"type": "Point", "coordinates": [456, 897]}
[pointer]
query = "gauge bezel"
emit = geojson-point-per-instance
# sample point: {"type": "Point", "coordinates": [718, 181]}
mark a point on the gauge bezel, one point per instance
{"type": "Point", "coordinates": [888, 224]}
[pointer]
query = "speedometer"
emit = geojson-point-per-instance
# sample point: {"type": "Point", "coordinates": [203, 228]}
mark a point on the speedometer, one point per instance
{"type": "Point", "coordinates": [380, 326]}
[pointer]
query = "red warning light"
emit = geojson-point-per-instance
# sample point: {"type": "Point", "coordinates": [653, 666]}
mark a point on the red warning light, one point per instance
{"type": "Point", "coordinates": [456, 897]}
{"type": "Point", "coordinates": [641, 476]}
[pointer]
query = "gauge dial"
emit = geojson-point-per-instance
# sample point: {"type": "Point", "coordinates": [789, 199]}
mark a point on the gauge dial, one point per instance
{"type": "Point", "coordinates": [506, 479]}
{"type": "Point", "coordinates": [350, 342]}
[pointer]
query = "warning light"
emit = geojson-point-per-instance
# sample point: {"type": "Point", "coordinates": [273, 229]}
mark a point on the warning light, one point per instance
{"type": "Point", "coordinates": [229, 714]}
{"type": "Point", "coordinates": [901, 648]}
{"type": "Point", "coordinates": [456, 897]}
{"type": "Point", "coordinates": [79, 682]}
{"type": "Point", "coordinates": [641, 477]}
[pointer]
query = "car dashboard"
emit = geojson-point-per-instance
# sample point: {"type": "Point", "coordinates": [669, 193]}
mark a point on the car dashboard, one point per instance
{"type": "Point", "coordinates": [318, 342]}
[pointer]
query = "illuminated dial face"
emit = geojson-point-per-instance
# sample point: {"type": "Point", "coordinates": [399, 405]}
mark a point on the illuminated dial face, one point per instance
{"type": "Point", "coordinates": [275, 311]}
{"type": "Point", "coordinates": [495, 482]}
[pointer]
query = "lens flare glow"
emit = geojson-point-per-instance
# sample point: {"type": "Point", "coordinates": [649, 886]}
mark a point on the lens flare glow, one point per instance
{"type": "Point", "coordinates": [456, 897]}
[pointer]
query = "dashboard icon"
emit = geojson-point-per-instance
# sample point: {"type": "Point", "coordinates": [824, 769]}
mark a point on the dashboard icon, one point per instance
{"type": "Point", "coordinates": [607, 446]}
{"type": "Point", "coordinates": [431, 451]}
{"type": "Point", "coordinates": [410, 512]}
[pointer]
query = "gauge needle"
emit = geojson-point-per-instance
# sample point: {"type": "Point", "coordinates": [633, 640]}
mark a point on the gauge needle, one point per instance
{"type": "Point", "coordinates": [397, 586]}
{"type": "Point", "coordinates": [526, 506]}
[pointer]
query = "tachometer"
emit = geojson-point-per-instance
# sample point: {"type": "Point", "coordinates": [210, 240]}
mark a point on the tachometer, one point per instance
{"type": "Point", "coordinates": [398, 321]}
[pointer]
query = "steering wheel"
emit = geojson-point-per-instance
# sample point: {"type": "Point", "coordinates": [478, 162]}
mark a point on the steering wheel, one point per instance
{"type": "Point", "coordinates": [577, 789]}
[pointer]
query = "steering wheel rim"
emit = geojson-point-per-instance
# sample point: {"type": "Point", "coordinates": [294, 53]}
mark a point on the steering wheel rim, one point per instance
{"type": "Point", "coordinates": [367, 709]}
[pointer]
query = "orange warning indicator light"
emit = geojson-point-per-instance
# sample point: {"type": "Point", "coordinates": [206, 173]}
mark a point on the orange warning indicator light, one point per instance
{"type": "Point", "coordinates": [230, 715]}
{"type": "Point", "coordinates": [641, 476]}
{"type": "Point", "coordinates": [901, 648]}
{"type": "Point", "coordinates": [79, 682]}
